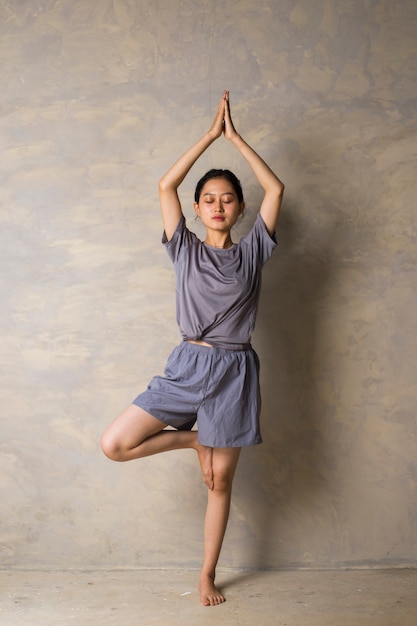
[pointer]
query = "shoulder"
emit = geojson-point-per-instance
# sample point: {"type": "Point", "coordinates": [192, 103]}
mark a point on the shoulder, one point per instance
{"type": "Point", "coordinates": [182, 238]}
{"type": "Point", "coordinates": [259, 241]}
{"type": "Point", "coordinates": [259, 231]}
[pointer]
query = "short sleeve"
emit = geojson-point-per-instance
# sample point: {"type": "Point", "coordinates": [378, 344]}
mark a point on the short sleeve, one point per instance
{"type": "Point", "coordinates": [260, 240]}
{"type": "Point", "coordinates": [181, 238]}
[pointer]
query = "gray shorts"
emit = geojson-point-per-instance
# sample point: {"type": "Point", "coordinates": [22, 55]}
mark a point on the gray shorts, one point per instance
{"type": "Point", "coordinates": [217, 388]}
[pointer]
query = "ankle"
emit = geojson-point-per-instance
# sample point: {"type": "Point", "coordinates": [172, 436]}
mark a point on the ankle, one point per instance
{"type": "Point", "coordinates": [209, 574]}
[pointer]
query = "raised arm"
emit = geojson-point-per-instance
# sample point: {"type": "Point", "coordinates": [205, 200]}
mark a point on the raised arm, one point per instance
{"type": "Point", "coordinates": [273, 187]}
{"type": "Point", "coordinates": [169, 183]}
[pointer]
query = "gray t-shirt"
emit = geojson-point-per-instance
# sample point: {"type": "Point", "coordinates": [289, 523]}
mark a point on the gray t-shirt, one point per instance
{"type": "Point", "coordinates": [217, 290]}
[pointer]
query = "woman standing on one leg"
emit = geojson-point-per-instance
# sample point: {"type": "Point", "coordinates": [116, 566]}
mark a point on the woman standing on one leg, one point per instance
{"type": "Point", "coordinates": [212, 377]}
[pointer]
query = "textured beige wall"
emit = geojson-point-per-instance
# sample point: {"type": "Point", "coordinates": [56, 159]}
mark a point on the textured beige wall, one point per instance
{"type": "Point", "coordinates": [97, 98]}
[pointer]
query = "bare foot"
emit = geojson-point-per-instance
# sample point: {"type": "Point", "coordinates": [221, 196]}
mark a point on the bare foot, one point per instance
{"type": "Point", "coordinates": [209, 594]}
{"type": "Point", "coordinates": [205, 456]}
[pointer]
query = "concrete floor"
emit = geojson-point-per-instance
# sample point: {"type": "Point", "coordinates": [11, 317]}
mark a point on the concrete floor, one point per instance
{"type": "Point", "coordinates": [169, 598]}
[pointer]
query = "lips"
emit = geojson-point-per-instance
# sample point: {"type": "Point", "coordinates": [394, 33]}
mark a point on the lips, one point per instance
{"type": "Point", "coordinates": [218, 218]}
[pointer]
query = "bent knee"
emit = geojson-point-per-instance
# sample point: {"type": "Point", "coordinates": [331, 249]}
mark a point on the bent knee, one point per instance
{"type": "Point", "coordinates": [111, 447]}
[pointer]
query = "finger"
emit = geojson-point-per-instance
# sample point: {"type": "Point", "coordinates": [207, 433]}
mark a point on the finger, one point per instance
{"type": "Point", "coordinates": [221, 109]}
{"type": "Point", "coordinates": [227, 108]}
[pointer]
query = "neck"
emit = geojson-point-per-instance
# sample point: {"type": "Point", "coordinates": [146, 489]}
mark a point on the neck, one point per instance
{"type": "Point", "coordinates": [218, 239]}
{"type": "Point", "coordinates": [226, 243]}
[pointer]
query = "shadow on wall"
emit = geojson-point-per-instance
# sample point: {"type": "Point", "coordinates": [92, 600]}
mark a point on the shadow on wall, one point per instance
{"type": "Point", "coordinates": [282, 480]}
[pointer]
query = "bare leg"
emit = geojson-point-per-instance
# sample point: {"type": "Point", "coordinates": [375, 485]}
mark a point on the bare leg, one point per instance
{"type": "Point", "coordinates": [136, 434]}
{"type": "Point", "coordinates": [224, 462]}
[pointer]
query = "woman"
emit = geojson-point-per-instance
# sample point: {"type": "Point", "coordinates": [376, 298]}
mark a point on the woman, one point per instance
{"type": "Point", "coordinates": [212, 377]}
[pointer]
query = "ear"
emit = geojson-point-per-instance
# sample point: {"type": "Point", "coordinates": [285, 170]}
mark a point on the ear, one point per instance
{"type": "Point", "coordinates": [241, 207]}
{"type": "Point", "coordinates": [196, 208]}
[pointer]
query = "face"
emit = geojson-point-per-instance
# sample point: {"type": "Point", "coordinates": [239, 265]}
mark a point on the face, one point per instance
{"type": "Point", "coordinates": [218, 206]}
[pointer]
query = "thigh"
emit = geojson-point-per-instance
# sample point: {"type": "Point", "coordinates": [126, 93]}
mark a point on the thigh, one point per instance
{"type": "Point", "coordinates": [131, 427]}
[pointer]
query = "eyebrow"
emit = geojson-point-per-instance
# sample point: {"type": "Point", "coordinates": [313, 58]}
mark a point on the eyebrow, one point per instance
{"type": "Point", "coordinates": [213, 193]}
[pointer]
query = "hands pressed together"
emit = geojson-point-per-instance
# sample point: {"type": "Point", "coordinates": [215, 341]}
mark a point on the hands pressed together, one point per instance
{"type": "Point", "coordinates": [222, 123]}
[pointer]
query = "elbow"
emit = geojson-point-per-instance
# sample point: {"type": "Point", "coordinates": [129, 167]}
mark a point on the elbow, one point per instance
{"type": "Point", "coordinates": [276, 189]}
{"type": "Point", "coordinates": [166, 185]}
